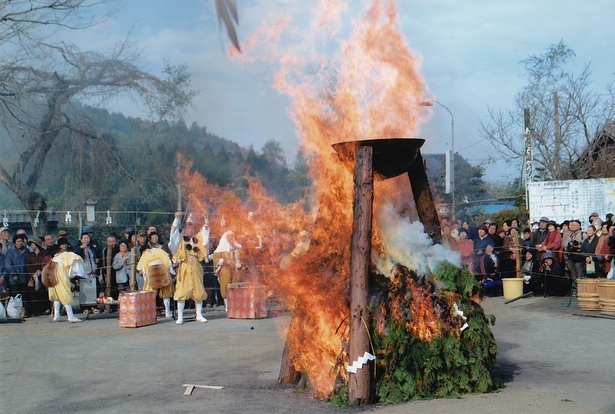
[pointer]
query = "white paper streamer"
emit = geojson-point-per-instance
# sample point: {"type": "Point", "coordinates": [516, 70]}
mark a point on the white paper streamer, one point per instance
{"type": "Point", "coordinates": [457, 312]}
{"type": "Point", "coordinates": [362, 360]}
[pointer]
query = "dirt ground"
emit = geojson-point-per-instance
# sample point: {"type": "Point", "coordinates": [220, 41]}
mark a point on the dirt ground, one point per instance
{"type": "Point", "coordinates": [556, 359]}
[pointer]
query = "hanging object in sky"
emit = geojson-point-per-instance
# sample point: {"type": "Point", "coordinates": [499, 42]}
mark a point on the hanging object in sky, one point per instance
{"type": "Point", "coordinates": [227, 13]}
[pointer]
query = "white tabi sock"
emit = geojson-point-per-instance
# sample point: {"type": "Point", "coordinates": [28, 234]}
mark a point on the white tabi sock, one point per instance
{"type": "Point", "coordinates": [57, 308]}
{"type": "Point", "coordinates": [70, 314]}
{"type": "Point", "coordinates": [199, 310]}
{"type": "Point", "coordinates": [180, 311]}
{"type": "Point", "coordinates": [167, 308]}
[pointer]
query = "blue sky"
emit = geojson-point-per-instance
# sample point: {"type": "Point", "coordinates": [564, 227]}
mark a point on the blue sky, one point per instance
{"type": "Point", "coordinates": [470, 53]}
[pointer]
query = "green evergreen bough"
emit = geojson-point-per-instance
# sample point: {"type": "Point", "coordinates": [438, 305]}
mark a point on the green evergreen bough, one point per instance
{"type": "Point", "coordinates": [421, 351]}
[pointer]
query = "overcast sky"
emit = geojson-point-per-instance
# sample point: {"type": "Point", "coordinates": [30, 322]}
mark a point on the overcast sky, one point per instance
{"type": "Point", "coordinates": [470, 53]}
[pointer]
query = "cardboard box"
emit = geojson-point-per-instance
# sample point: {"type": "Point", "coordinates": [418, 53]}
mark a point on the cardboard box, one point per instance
{"type": "Point", "coordinates": [137, 309]}
{"type": "Point", "coordinates": [246, 301]}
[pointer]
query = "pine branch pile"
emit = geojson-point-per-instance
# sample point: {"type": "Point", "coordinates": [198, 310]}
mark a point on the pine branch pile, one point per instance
{"type": "Point", "coordinates": [423, 350]}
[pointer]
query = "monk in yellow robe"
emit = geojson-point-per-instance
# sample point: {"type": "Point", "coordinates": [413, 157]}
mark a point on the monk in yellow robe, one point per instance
{"type": "Point", "coordinates": [65, 265]}
{"type": "Point", "coordinates": [155, 266]}
{"type": "Point", "coordinates": [189, 248]}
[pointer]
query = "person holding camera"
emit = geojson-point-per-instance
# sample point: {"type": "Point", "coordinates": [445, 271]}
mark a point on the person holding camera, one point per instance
{"type": "Point", "coordinates": [573, 250]}
{"type": "Point", "coordinates": [553, 276]}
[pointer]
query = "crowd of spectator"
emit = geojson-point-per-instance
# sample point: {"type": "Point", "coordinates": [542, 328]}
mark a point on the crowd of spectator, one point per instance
{"type": "Point", "coordinates": [107, 267]}
{"type": "Point", "coordinates": [548, 255]}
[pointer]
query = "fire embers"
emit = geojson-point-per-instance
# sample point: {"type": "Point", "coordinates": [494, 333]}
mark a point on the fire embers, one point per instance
{"type": "Point", "coordinates": [421, 349]}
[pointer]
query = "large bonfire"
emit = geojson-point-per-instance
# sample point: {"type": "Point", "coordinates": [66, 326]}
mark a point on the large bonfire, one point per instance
{"type": "Point", "coordinates": [428, 335]}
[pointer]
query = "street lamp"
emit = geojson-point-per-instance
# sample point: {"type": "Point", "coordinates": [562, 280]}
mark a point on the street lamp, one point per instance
{"type": "Point", "coordinates": [451, 167]}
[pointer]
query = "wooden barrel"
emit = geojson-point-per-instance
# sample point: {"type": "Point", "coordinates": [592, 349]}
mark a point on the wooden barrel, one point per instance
{"type": "Point", "coordinates": [606, 296]}
{"type": "Point", "coordinates": [587, 293]}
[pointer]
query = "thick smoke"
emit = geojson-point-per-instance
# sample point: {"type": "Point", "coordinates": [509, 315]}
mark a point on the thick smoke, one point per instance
{"type": "Point", "coordinates": [406, 243]}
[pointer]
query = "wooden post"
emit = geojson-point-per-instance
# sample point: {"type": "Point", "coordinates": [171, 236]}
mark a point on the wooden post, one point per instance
{"type": "Point", "coordinates": [359, 383]}
{"type": "Point", "coordinates": [423, 199]}
{"type": "Point", "coordinates": [132, 278]}
{"type": "Point", "coordinates": [288, 373]}
{"type": "Point", "coordinates": [109, 260]}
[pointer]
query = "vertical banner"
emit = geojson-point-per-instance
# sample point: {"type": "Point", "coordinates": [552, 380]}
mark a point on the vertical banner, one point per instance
{"type": "Point", "coordinates": [528, 164]}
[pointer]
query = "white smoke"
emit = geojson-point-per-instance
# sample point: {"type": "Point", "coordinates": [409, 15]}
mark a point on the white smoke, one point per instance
{"type": "Point", "coordinates": [406, 243]}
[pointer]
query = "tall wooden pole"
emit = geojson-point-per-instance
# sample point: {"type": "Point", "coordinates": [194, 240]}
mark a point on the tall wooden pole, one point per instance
{"type": "Point", "coordinates": [359, 383]}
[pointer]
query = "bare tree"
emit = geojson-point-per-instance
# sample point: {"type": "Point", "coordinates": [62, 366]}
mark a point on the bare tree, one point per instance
{"type": "Point", "coordinates": [565, 115]}
{"type": "Point", "coordinates": [21, 20]}
{"type": "Point", "coordinates": [38, 92]}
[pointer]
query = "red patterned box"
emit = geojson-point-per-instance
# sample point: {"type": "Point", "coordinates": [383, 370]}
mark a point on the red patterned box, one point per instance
{"type": "Point", "coordinates": [137, 309]}
{"type": "Point", "coordinates": [246, 301]}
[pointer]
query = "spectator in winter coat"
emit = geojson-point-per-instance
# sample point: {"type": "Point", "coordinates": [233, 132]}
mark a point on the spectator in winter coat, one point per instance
{"type": "Point", "coordinates": [540, 234]}
{"type": "Point", "coordinates": [480, 243]}
{"type": "Point", "coordinates": [15, 265]}
{"type": "Point", "coordinates": [490, 272]}
{"type": "Point", "coordinates": [37, 299]}
{"type": "Point", "coordinates": [553, 242]}
{"type": "Point", "coordinates": [588, 248]}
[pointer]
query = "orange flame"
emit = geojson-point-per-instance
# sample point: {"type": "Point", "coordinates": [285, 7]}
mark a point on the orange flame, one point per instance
{"type": "Point", "coordinates": [370, 91]}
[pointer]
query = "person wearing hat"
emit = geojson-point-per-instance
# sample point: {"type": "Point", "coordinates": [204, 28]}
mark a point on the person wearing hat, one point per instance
{"type": "Point", "coordinates": [227, 262]}
{"type": "Point", "coordinates": [141, 244]}
{"type": "Point", "coordinates": [593, 216]}
{"type": "Point", "coordinates": [142, 240]}
{"type": "Point", "coordinates": [64, 235]}
{"type": "Point", "coordinates": [574, 257]}
{"type": "Point", "coordinates": [190, 249]}
{"type": "Point", "coordinates": [63, 245]}
{"type": "Point", "coordinates": [37, 297]}
{"type": "Point", "coordinates": [539, 236]}
{"type": "Point", "coordinates": [5, 243]}
{"type": "Point", "coordinates": [552, 274]}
